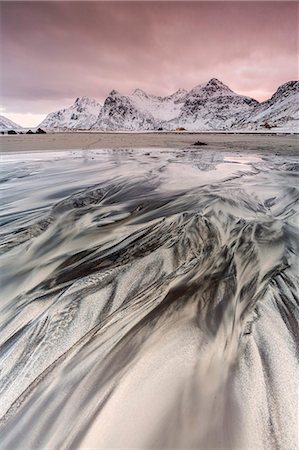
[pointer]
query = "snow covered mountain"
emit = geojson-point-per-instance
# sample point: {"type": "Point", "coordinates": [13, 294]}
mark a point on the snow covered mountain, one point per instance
{"type": "Point", "coordinates": [81, 115]}
{"type": "Point", "coordinates": [120, 112]}
{"type": "Point", "coordinates": [280, 112]}
{"type": "Point", "coordinates": [139, 111]}
{"type": "Point", "coordinates": [211, 106]}
{"type": "Point", "coordinates": [161, 108]}
{"type": "Point", "coordinates": [7, 124]}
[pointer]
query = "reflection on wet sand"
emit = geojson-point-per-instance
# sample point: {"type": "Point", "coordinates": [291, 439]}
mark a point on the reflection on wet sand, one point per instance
{"type": "Point", "coordinates": [149, 300]}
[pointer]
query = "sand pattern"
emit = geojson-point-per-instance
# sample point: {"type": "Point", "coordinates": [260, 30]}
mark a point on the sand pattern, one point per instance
{"type": "Point", "coordinates": [149, 300]}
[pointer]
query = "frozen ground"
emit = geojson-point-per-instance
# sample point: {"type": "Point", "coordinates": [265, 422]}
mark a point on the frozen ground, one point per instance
{"type": "Point", "coordinates": [149, 298]}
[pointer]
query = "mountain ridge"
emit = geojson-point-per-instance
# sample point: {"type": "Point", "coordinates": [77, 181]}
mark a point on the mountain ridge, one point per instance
{"type": "Point", "coordinates": [281, 111]}
{"type": "Point", "coordinates": [80, 115]}
{"type": "Point", "coordinates": [209, 106]}
{"type": "Point", "coordinates": [7, 124]}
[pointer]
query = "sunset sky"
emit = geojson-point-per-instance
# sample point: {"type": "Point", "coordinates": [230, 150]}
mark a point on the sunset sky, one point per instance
{"type": "Point", "coordinates": [53, 52]}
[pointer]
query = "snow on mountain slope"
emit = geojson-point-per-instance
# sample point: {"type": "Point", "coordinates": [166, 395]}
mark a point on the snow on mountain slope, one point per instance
{"type": "Point", "coordinates": [161, 108]}
{"type": "Point", "coordinates": [7, 124]}
{"type": "Point", "coordinates": [81, 115]}
{"type": "Point", "coordinates": [119, 112]}
{"type": "Point", "coordinates": [280, 112]}
{"type": "Point", "coordinates": [211, 106]}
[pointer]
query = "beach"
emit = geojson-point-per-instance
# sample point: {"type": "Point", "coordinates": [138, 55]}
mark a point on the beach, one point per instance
{"type": "Point", "coordinates": [248, 142]}
{"type": "Point", "coordinates": [149, 294]}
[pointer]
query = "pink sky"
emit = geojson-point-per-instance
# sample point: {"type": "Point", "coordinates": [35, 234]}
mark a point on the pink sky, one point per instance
{"type": "Point", "coordinates": [53, 52]}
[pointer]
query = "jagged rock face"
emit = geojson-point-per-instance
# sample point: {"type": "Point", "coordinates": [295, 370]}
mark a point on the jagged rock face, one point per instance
{"type": "Point", "coordinates": [81, 115]}
{"type": "Point", "coordinates": [120, 113]}
{"type": "Point", "coordinates": [286, 90]}
{"type": "Point", "coordinates": [206, 107]}
{"type": "Point", "coordinates": [6, 124]}
{"type": "Point", "coordinates": [212, 106]}
{"type": "Point", "coordinates": [280, 112]}
{"type": "Point", "coordinates": [161, 108]}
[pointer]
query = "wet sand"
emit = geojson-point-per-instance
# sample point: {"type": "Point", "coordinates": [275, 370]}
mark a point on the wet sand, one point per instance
{"type": "Point", "coordinates": [148, 297]}
{"type": "Point", "coordinates": [287, 143]}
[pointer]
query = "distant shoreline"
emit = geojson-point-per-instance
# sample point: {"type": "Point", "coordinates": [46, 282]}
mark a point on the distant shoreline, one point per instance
{"type": "Point", "coordinates": [285, 143]}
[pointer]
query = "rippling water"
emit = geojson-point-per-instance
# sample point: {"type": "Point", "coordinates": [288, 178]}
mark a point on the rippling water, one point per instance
{"type": "Point", "coordinates": [149, 300]}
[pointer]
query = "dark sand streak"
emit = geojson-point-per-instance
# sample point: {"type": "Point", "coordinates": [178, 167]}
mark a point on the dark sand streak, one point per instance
{"type": "Point", "coordinates": [152, 296]}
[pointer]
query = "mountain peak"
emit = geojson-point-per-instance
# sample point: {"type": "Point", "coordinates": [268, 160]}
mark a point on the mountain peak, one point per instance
{"type": "Point", "coordinates": [80, 115]}
{"type": "Point", "coordinates": [213, 87]}
{"type": "Point", "coordinates": [179, 93]}
{"type": "Point", "coordinates": [81, 100]}
{"type": "Point", "coordinates": [140, 93]}
{"type": "Point", "coordinates": [216, 84]}
{"type": "Point", "coordinates": [286, 89]}
{"type": "Point", "coordinates": [114, 93]}
{"type": "Point", "coordinates": [85, 101]}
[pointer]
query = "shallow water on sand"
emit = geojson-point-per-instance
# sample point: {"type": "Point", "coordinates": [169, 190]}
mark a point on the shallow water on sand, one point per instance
{"type": "Point", "coordinates": [148, 300]}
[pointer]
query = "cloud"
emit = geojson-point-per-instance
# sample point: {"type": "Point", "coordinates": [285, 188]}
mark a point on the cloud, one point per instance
{"type": "Point", "coordinates": [53, 52]}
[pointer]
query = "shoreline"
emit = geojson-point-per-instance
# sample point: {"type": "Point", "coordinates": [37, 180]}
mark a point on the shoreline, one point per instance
{"type": "Point", "coordinates": [251, 142]}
